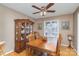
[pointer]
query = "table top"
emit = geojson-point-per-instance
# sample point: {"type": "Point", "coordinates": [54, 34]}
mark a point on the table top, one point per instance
{"type": "Point", "coordinates": [40, 44]}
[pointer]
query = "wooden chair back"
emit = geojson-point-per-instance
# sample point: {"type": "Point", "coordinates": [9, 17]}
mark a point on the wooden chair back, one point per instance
{"type": "Point", "coordinates": [34, 36]}
{"type": "Point", "coordinates": [2, 47]}
{"type": "Point", "coordinates": [58, 45]}
{"type": "Point", "coordinates": [31, 36]}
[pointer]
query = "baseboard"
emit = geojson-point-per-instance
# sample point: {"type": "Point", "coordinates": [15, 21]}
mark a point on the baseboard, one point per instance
{"type": "Point", "coordinates": [75, 51]}
{"type": "Point", "coordinates": [7, 53]}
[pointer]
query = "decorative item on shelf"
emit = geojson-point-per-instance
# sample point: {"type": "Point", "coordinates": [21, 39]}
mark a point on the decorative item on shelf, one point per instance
{"type": "Point", "coordinates": [70, 41]}
{"type": "Point", "coordinates": [23, 24]}
{"type": "Point", "coordinates": [22, 38]}
{"type": "Point", "coordinates": [22, 35]}
{"type": "Point", "coordinates": [22, 28]}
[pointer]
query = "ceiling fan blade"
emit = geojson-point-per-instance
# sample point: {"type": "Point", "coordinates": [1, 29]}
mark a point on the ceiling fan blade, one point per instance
{"type": "Point", "coordinates": [36, 12]}
{"type": "Point", "coordinates": [50, 10]}
{"type": "Point", "coordinates": [49, 5]}
{"type": "Point", "coordinates": [36, 7]}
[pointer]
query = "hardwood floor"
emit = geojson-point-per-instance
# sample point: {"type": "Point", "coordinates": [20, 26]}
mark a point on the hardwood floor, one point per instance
{"type": "Point", "coordinates": [65, 51]}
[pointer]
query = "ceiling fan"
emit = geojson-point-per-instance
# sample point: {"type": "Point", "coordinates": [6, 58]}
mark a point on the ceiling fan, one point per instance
{"type": "Point", "coordinates": [44, 9]}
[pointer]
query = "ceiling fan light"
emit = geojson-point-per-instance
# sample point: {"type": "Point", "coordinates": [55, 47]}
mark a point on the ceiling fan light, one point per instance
{"type": "Point", "coordinates": [43, 13]}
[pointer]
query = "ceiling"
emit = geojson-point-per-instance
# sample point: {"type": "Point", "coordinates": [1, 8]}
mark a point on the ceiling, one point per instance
{"type": "Point", "coordinates": [27, 9]}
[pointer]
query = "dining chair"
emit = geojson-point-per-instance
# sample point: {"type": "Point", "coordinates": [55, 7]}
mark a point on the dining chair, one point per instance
{"type": "Point", "coordinates": [2, 47]}
{"type": "Point", "coordinates": [33, 36]}
{"type": "Point", "coordinates": [57, 53]}
{"type": "Point", "coordinates": [37, 37]}
{"type": "Point", "coordinates": [30, 37]}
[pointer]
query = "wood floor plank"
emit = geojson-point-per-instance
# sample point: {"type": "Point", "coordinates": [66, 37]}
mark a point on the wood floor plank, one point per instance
{"type": "Point", "coordinates": [65, 51]}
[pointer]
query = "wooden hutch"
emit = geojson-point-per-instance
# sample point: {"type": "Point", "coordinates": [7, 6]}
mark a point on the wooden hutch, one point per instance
{"type": "Point", "coordinates": [22, 28]}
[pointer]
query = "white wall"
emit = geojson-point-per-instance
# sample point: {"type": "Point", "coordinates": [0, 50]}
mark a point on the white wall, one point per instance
{"type": "Point", "coordinates": [7, 17]}
{"type": "Point", "coordinates": [75, 30]}
{"type": "Point", "coordinates": [78, 34]}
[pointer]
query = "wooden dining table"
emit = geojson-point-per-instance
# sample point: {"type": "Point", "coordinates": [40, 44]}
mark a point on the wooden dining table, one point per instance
{"type": "Point", "coordinates": [42, 45]}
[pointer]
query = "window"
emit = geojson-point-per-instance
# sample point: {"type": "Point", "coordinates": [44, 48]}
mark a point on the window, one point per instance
{"type": "Point", "coordinates": [51, 30]}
